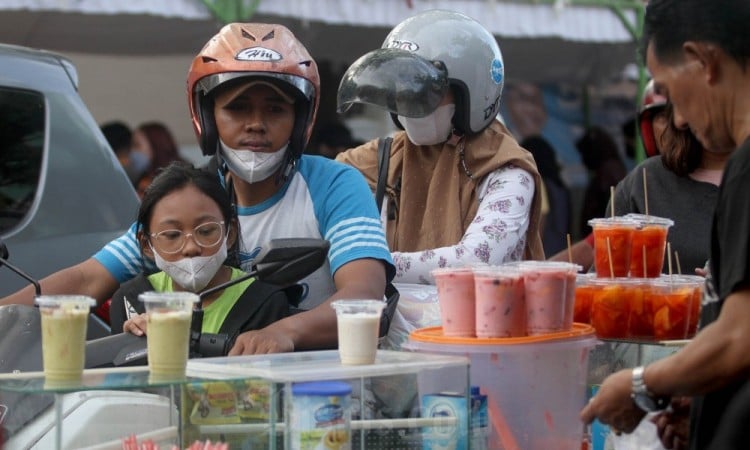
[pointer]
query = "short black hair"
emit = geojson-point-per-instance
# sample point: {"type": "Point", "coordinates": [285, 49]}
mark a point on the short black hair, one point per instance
{"type": "Point", "coordinates": [118, 135]}
{"type": "Point", "coordinates": [670, 23]}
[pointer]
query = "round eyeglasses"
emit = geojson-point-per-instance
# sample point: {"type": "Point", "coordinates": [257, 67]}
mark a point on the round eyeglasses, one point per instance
{"type": "Point", "coordinates": [173, 241]}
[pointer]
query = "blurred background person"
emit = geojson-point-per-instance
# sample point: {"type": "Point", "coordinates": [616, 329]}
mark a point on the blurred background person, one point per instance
{"type": "Point", "coordinates": [120, 139]}
{"type": "Point", "coordinates": [153, 144]}
{"type": "Point", "coordinates": [555, 224]}
{"type": "Point", "coordinates": [601, 157]}
{"type": "Point", "coordinates": [332, 138]}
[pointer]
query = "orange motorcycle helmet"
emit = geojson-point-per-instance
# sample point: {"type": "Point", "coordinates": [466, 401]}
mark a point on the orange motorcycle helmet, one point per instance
{"type": "Point", "coordinates": [241, 52]}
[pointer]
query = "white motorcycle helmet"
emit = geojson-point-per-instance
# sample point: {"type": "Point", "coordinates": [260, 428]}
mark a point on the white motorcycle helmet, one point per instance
{"type": "Point", "coordinates": [420, 58]}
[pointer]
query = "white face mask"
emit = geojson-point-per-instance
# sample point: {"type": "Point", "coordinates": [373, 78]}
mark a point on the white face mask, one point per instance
{"type": "Point", "coordinates": [193, 274]}
{"type": "Point", "coordinates": [432, 129]}
{"type": "Point", "coordinates": [252, 166]}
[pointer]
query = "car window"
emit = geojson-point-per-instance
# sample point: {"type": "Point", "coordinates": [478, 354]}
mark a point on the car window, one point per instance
{"type": "Point", "coordinates": [21, 148]}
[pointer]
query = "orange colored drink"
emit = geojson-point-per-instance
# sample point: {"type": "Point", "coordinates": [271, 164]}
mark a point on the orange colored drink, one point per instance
{"type": "Point", "coordinates": [584, 295]}
{"type": "Point", "coordinates": [697, 284]}
{"type": "Point", "coordinates": [651, 237]}
{"type": "Point", "coordinates": [672, 303]}
{"type": "Point", "coordinates": [610, 310]}
{"type": "Point", "coordinates": [612, 238]}
{"type": "Point", "coordinates": [641, 321]}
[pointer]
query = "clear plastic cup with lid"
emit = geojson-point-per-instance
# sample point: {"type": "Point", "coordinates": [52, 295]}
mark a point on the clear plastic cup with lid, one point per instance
{"type": "Point", "coordinates": [549, 287]}
{"type": "Point", "coordinates": [455, 288]}
{"type": "Point", "coordinates": [648, 244]}
{"type": "Point", "coordinates": [612, 245]}
{"type": "Point", "coordinates": [500, 305]}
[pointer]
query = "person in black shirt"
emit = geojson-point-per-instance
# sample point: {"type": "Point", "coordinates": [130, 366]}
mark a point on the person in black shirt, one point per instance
{"type": "Point", "coordinates": [698, 54]}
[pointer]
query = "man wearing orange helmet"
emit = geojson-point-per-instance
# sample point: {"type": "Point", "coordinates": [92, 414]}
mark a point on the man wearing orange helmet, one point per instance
{"type": "Point", "coordinates": [253, 92]}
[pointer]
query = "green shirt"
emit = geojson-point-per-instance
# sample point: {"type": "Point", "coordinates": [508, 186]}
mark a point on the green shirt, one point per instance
{"type": "Point", "coordinates": [215, 313]}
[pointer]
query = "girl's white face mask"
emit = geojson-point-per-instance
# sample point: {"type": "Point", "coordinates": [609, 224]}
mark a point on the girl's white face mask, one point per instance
{"type": "Point", "coordinates": [432, 129]}
{"type": "Point", "coordinates": [252, 166]}
{"type": "Point", "coordinates": [193, 274]}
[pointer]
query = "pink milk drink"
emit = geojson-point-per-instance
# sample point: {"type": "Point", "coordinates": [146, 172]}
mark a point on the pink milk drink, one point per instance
{"type": "Point", "coordinates": [455, 288]}
{"type": "Point", "coordinates": [550, 295]}
{"type": "Point", "coordinates": [500, 307]}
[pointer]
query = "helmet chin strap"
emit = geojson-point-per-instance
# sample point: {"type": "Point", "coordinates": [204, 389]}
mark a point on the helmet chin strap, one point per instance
{"type": "Point", "coordinates": [288, 168]}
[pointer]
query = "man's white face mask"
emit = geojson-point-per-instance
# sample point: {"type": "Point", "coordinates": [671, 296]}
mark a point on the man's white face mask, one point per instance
{"type": "Point", "coordinates": [430, 130]}
{"type": "Point", "coordinates": [252, 166]}
{"type": "Point", "coordinates": [193, 274]}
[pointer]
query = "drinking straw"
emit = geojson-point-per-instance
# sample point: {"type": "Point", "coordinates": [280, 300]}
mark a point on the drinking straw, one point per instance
{"type": "Point", "coordinates": [645, 190]}
{"type": "Point", "coordinates": [612, 199]}
{"type": "Point", "coordinates": [669, 262]}
{"type": "Point", "coordinates": [645, 274]}
{"type": "Point", "coordinates": [677, 260]}
{"type": "Point", "coordinates": [609, 255]}
{"type": "Point", "coordinates": [507, 440]}
{"type": "Point", "coordinates": [570, 250]}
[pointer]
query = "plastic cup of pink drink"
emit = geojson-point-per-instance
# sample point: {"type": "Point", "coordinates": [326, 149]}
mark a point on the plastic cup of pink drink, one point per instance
{"type": "Point", "coordinates": [455, 288]}
{"type": "Point", "coordinates": [549, 288]}
{"type": "Point", "coordinates": [500, 306]}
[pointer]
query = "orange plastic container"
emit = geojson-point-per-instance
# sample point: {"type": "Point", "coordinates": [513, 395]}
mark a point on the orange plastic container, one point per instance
{"type": "Point", "coordinates": [612, 241]}
{"type": "Point", "coordinates": [535, 385]}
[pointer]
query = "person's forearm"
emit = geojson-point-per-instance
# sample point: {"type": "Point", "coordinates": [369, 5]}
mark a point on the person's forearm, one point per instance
{"type": "Point", "coordinates": [311, 330]}
{"type": "Point", "coordinates": [582, 253]}
{"type": "Point", "coordinates": [316, 328]}
{"type": "Point", "coordinates": [715, 357]}
{"type": "Point", "coordinates": [87, 278]}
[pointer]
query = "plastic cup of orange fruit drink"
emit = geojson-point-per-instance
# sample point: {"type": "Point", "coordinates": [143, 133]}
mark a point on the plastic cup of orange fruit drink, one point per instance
{"type": "Point", "coordinates": [612, 242]}
{"type": "Point", "coordinates": [648, 244]}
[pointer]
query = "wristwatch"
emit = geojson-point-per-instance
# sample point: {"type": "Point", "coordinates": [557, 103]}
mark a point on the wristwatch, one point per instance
{"type": "Point", "coordinates": [644, 399]}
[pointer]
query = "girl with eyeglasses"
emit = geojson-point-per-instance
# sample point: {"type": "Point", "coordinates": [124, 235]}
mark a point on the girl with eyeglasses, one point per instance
{"type": "Point", "coordinates": [187, 225]}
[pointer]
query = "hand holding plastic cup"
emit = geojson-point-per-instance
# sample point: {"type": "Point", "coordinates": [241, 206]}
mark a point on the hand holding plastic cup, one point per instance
{"type": "Point", "coordinates": [455, 287]}
{"type": "Point", "coordinates": [358, 325]}
{"type": "Point", "coordinates": [168, 317]}
{"type": "Point", "coordinates": [64, 322]}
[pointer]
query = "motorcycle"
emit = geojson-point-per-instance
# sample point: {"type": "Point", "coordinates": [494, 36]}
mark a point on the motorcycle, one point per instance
{"type": "Point", "coordinates": [27, 420]}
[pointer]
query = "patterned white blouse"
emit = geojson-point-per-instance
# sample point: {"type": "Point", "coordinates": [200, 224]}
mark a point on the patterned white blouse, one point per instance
{"type": "Point", "coordinates": [496, 235]}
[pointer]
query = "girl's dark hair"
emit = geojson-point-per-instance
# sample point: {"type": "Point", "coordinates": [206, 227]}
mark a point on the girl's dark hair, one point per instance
{"type": "Point", "coordinates": [680, 151]}
{"type": "Point", "coordinates": [176, 176]}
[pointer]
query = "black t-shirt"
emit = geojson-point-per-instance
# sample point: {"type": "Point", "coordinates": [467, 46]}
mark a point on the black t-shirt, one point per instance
{"type": "Point", "coordinates": [730, 270]}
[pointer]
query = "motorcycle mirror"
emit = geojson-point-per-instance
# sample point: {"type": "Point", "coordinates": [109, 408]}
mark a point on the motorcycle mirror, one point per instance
{"type": "Point", "coordinates": [283, 262]}
{"type": "Point", "coordinates": [286, 261]}
{"type": "Point", "coordinates": [4, 262]}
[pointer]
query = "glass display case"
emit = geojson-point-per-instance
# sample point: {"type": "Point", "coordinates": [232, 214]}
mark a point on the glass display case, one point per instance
{"type": "Point", "coordinates": [403, 400]}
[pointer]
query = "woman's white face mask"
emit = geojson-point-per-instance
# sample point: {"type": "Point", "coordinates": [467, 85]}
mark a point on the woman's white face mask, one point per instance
{"type": "Point", "coordinates": [193, 274]}
{"type": "Point", "coordinates": [430, 130]}
{"type": "Point", "coordinates": [252, 166]}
